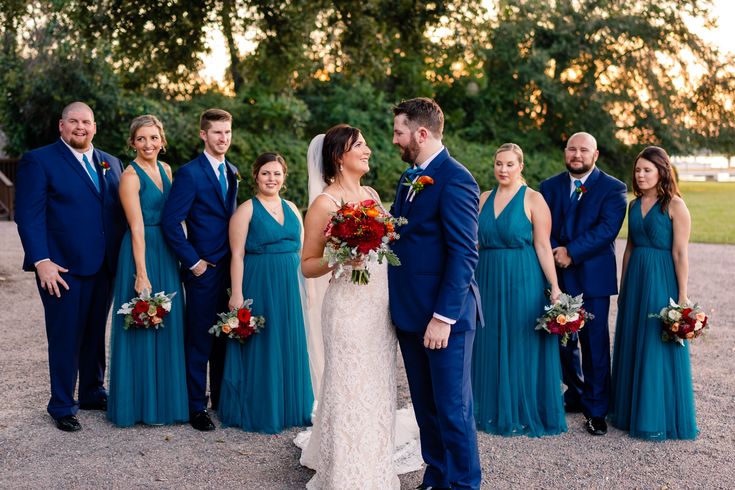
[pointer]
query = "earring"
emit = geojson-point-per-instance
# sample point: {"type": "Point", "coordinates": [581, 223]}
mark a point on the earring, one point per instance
{"type": "Point", "coordinates": [340, 167]}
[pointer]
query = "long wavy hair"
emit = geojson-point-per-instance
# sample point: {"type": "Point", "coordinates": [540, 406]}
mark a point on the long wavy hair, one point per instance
{"type": "Point", "coordinates": [666, 188]}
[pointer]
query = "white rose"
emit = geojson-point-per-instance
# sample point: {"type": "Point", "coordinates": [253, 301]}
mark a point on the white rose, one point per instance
{"type": "Point", "coordinates": [233, 322]}
{"type": "Point", "coordinates": [573, 317]}
{"type": "Point", "coordinates": [674, 315]}
{"type": "Point", "coordinates": [698, 326]}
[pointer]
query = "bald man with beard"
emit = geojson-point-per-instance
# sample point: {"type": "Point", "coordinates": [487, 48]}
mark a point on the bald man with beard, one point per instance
{"type": "Point", "coordinates": [71, 224]}
{"type": "Point", "coordinates": [587, 210]}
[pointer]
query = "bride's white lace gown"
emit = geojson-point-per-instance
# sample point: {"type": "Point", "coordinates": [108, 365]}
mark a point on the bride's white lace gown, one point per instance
{"type": "Point", "coordinates": [352, 442]}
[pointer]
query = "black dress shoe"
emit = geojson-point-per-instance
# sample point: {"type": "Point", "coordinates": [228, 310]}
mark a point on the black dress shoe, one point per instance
{"type": "Point", "coordinates": [68, 423]}
{"type": "Point", "coordinates": [100, 404]}
{"type": "Point", "coordinates": [596, 426]}
{"type": "Point", "coordinates": [201, 421]}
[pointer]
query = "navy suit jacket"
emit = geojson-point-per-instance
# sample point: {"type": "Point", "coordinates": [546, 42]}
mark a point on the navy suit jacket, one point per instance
{"type": "Point", "coordinates": [60, 214]}
{"type": "Point", "coordinates": [437, 250]}
{"type": "Point", "coordinates": [587, 227]}
{"type": "Point", "coordinates": [196, 199]}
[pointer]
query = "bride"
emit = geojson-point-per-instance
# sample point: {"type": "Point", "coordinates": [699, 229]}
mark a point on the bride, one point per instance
{"type": "Point", "coordinates": [353, 441]}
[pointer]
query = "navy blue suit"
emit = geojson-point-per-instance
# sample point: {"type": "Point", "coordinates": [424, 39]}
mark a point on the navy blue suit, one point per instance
{"type": "Point", "coordinates": [196, 199]}
{"type": "Point", "coordinates": [438, 253]}
{"type": "Point", "coordinates": [63, 217]}
{"type": "Point", "coordinates": [587, 227]}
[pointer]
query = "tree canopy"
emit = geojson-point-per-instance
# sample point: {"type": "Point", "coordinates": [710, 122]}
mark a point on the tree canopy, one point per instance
{"type": "Point", "coordinates": [529, 71]}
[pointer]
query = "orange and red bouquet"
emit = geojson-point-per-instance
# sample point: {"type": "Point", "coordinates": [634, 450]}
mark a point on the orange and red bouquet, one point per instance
{"type": "Point", "coordinates": [565, 317]}
{"type": "Point", "coordinates": [146, 311]}
{"type": "Point", "coordinates": [360, 231]}
{"type": "Point", "coordinates": [238, 324]}
{"type": "Point", "coordinates": [681, 323]}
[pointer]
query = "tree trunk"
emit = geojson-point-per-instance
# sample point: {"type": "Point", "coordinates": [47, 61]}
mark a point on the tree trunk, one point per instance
{"type": "Point", "coordinates": [227, 13]}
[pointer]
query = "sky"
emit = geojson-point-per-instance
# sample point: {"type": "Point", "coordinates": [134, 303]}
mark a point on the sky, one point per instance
{"type": "Point", "coordinates": [723, 10]}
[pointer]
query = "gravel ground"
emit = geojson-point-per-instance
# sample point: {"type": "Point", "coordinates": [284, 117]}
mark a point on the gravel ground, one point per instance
{"type": "Point", "coordinates": [34, 454]}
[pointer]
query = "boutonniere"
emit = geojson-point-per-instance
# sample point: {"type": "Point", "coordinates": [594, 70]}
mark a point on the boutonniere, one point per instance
{"type": "Point", "coordinates": [418, 185]}
{"type": "Point", "coordinates": [238, 177]}
{"type": "Point", "coordinates": [105, 167]}
{"type": "Point", "coordinates": [581, 191]}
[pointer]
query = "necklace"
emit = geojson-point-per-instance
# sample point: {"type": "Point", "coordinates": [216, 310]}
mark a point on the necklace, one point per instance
{"type": "Point", "coordinates": [273, 211]}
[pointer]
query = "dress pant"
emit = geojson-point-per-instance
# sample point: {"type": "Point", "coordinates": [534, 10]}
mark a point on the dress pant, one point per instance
{"type": "Point", "coordinates": [439, 380]}
{"type": "Point", "coordinates": [206, 296]}
{"type": "Point", "coordinates": [588, 381]}
{"type": "Point", "coordinates": [75, 328]}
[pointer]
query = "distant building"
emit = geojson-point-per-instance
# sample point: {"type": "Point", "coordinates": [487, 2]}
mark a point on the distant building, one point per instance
{"type": "Point", "coordinates": [704, 167]}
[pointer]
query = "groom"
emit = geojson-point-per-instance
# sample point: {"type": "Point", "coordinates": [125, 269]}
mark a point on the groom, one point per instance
{"type": "Point", "coordinates": [203, 196]}
{"type": "Point", "coordinates": [71, 225]}
{"type": "Point", "coordinates": [587, 210]}
{"type": "Point", "coordinates": [434, 300]}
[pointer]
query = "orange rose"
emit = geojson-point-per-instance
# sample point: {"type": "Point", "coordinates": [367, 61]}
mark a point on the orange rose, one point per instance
{"type": "Point", "coordinates": [690, 335]}
{"type": "Point", "coordinates": [226, 329]}
{"type": "Point", "coordinates": [372, 212]}
{"type": "Point", "coordinates": [675, 327]}
{"type": "Point", "coordinates": [561, 320]}
{"type": "Point", "coordinates": [155, 320]}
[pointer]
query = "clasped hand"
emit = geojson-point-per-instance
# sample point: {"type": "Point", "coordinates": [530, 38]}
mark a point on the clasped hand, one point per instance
{"type": "Point", "coordinates": [561, 257]}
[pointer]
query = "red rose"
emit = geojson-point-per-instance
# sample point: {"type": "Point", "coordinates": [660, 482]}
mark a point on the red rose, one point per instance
{"type": "Point", "coordinates": [686, 312]}
{"type": "Point", "coordinates": [141, 306]}
{"type": "Point", "coordinates": [160, 312]}
{"type": "Point", "coordinates": [243, 315]}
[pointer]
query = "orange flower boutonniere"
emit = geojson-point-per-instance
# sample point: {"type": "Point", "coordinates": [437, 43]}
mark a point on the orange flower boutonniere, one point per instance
{"type": "Point", "coordinates": [419, 184]}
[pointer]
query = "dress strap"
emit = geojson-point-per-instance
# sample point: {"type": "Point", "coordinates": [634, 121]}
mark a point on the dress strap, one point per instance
{"type": "Point", "coordinates": [334, 199]}
{"type": "Point", "coordinates": [375, 197]}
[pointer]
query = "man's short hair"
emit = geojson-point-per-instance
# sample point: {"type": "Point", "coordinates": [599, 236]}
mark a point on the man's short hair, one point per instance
{"type": "Point", "coordinates": [76, 106]}
{"type": "Point", "coordinates": [213, 115]}
{"type": "Point", "coordinates": [422, 111]}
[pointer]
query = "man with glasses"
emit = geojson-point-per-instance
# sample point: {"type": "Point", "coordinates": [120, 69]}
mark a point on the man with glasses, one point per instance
{"type": "Point", "coordinates": [587, 209]}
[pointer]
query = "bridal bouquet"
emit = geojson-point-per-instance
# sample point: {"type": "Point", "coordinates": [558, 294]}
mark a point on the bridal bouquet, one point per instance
{"type": "Point", "coordinates": [146, 311]}
{"type": "Point", "coordinates": [360, 231]}
{"type": "Point", "coordinates": [564, 317]}
{"type": "Point", "coordinates": [681, 322]}
{"type": "Point", "coordinates": [238, 324]}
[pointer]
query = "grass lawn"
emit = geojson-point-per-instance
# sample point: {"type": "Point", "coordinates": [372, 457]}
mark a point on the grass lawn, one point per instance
{"type": "Point", "coordinates": [712, 205]}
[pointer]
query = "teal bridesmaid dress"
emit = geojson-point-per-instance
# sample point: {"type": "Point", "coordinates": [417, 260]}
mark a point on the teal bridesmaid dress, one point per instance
{"type": "Point", "coordinates": [652, 394]}
{"type": "Point", "coordinates": [516, 371]}
{"type": "Point", "coordinates": [266, 386]}
{"type": "Point", "coordinates": [147, 369]}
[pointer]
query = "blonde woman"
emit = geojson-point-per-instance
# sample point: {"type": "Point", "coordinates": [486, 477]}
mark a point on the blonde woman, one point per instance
{"type": "Point", "coordinates": [516, 372]}
{"type": "Point", "coordinates": [147, 369]}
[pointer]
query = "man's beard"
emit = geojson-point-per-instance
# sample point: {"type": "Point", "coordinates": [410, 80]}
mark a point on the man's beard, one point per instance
{"type": "Point", "coordinates": [586, 167]}
{"type": "Point", "coordinates": [410, 153]}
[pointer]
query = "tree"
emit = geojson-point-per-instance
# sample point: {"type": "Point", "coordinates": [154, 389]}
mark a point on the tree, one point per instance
{"type": "Point", "coordinates": [616, 69]}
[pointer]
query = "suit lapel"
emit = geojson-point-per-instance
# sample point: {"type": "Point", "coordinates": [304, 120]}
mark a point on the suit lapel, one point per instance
{"type": "Point", "coordinates": [429, 172]}
{"type": "Point", "coordinates": [101, 174]}
{"type": "Point", "coordinates": [71, 160]}
{"type": "Point", "coordinates": [233, 178]}
{"type": "Point", "coordinates": [574, 204]}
